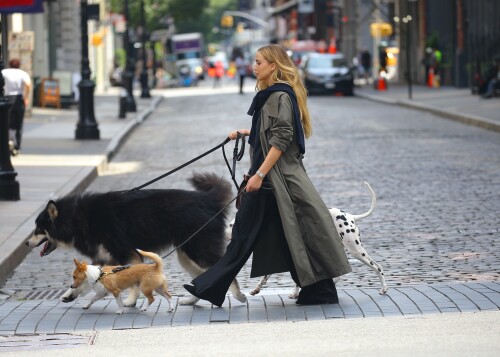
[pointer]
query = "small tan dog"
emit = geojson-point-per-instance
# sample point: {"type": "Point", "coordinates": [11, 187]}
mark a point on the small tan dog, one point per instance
{"type": "Point", "coordinates": [115, 279]}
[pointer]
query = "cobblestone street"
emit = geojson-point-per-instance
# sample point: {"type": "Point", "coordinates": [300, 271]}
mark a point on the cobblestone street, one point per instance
{"type": "Point", "coordinates": [437, 184]}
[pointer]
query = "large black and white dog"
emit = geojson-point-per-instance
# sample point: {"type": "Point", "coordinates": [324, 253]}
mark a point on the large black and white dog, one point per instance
{"type": "Point", "coordinates": [109, 227]}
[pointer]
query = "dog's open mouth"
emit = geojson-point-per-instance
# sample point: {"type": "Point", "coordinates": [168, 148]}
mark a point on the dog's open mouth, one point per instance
{"type": "Point", "coordinates": [48, 247]}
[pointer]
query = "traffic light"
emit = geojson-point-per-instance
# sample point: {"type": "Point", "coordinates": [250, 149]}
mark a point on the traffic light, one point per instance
{"type": "Point", "coordinates": [226, 21]}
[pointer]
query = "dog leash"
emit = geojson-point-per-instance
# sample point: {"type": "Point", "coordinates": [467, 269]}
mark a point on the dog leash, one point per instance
{"type": "Point", "coordinates": [237, 156]}
{"type": "Point", "coordinates": [203, 226]}
{"type": "Point", "coordinates": [265, 186]}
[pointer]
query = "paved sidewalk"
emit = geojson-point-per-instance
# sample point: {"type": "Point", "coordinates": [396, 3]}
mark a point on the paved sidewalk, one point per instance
{"type": "Point", "coordinates": [49, 316]}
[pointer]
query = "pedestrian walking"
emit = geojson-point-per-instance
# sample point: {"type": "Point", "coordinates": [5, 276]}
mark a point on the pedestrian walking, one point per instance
{"type": "Point", "coordinates": [366, 63]}
{"type": "Point", "coordinates": [282, 219]}
{"type": "Point", "coordinates": [219, 73]}
{"type": "Point", "coordinates": [242, 67]}
{"type": "Point", "coordinates": [17, 89]}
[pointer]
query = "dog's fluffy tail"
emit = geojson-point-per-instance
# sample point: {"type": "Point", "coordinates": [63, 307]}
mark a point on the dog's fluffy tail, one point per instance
{"type": "Point", "coordinates": [211, 183]}
{"type": "Point", "coordinates": [374, 201]}
{"type": "Point", "coordinates": [154, 257]}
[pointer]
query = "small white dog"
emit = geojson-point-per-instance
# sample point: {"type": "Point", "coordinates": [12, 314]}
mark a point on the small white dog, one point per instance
{"type": "Point", "coordinates": [349, 235]}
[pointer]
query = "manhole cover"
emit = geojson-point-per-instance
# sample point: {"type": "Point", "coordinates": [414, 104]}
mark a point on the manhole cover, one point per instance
{"type": "Point", "coordinates": [18, 343]}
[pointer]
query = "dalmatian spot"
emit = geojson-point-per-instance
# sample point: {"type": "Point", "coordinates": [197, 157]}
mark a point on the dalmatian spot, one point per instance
{"type": "Point", "coordinates": [348, 231]}
{"type": "Point", "coordinates": [371, 263]}
{"type": "Point", "coordinates": [363, 254]}
{"type": "Point", "coordinates": [340, 226]}
{"type": "Point", "coordinates": [356, 241]}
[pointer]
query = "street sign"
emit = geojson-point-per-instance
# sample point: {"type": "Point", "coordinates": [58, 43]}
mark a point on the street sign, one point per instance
{"type": "Point", "coordinates": [21, 6]}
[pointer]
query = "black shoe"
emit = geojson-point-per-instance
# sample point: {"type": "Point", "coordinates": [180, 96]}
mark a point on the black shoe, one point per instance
{"type": "Point", "coordinates": [321, 292]}
{"type": "Point", "coordinates": [192, 290]}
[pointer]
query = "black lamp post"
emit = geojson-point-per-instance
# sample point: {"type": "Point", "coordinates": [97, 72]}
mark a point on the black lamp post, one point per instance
{"type": "Point", "coordinates": [407, 21]}
{"type": "Point", "coordinates": [87, 127]}
{"type": "Point", "coordinates": [9, 187]}
{"type": "Point", "coordinates": [144, 74]}
{"type": "Point", "coordinates": [128, 73]}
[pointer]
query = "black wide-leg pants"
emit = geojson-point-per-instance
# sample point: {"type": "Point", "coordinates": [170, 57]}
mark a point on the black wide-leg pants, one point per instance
{"type": "Point", "coordinates": [213, 284]}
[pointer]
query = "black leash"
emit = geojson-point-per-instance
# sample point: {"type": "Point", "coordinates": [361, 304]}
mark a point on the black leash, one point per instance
{"type": "Point", "coordinates": [183, 165]}
{"type": "Point", "coordinates": [237, 156]}
{"type": "Point", "coordinates": [265, 186]}
{"type": "Point", "coordinates": [203, 226]}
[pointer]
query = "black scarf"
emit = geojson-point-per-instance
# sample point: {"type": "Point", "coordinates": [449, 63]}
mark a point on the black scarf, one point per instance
{"type": "Point", "coordinates": [258, 102]}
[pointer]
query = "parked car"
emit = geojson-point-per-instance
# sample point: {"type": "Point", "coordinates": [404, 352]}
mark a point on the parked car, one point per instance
{"type": "Point", "coordinates": [326, 73]}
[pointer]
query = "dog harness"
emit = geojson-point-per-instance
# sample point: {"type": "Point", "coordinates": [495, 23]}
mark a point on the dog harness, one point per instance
{"type": "Point", "coordinates": [115, 270]}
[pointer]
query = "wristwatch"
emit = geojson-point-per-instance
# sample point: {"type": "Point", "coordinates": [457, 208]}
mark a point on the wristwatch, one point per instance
{"type": "Point", "coordinates": [260, 174]}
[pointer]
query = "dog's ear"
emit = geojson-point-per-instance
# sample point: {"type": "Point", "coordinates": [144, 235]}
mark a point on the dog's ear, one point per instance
{"type": "Point", "coordinates": [52, 210]}
{"type": "Point", "coordinates": [78, 264]}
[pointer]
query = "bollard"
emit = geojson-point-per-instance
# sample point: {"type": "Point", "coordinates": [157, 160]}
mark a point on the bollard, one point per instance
{"type": "Point", "coordinates": [122, 104]}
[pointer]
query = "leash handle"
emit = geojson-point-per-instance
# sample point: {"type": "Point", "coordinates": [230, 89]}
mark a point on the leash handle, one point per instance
{"type": "Point", "coordinates": [237, 156]}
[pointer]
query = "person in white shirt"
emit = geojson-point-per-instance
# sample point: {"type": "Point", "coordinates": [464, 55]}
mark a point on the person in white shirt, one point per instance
{"type": "Point", "coordinates": [17, 89]}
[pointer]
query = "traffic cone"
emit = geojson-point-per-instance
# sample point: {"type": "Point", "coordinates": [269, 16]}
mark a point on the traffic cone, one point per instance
{"type": "Point", "coordinates": [381, 83]}
{"type": "Point", "coordinates": [332, 48]}
{"type": "Point", "coordinates": [430, 78]}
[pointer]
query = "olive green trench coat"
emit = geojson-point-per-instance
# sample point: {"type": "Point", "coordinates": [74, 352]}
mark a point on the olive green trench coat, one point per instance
{"type": "Point", "coordinates": [315, 246]}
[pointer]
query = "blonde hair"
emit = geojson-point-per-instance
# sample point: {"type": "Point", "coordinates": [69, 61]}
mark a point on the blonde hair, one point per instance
{"type": "Point", "coordinates": [286, 72]}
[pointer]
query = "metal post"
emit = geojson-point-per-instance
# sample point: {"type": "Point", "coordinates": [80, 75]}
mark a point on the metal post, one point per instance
{"type": "Point", "coordinates": [87, 127]}
{"type": "Point", "coordinates": [128, 73]}
{"type": "Point", "coordinates": [410, 19]}
{"type": "Point", "coordinates": [144, 74]}
{"type": "Point", "coordinates": [9, 187]}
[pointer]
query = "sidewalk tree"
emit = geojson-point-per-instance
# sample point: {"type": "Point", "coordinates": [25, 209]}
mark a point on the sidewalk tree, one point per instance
{"type": "Point", "coordinates": [189, 16]}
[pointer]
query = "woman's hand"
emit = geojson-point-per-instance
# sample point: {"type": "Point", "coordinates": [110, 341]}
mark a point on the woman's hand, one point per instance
{"type": "Point", "coordinates": [232, 135]}
{"type": "Point", "coordinates": [254, 183]}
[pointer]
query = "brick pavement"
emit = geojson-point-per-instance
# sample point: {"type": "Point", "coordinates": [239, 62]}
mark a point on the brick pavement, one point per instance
{"type": "Point", "coordinates": [433, 229]}
{"type": "Point", "coordinates": [52, 316]}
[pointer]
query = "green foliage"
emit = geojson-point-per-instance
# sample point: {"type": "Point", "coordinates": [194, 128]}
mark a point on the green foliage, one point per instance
{"type": "Point", "coordinates": [189, 15]}
{"type": "Point", "coordinates": [120, 57]}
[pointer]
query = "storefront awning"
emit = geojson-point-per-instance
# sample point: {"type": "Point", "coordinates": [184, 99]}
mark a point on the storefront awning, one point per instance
{"type": "Point", "coordinates": [21, 6]}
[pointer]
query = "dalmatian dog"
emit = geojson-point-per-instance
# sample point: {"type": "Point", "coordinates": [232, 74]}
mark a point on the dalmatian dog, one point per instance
{"type": "Point", "coordinates": [350, 237]}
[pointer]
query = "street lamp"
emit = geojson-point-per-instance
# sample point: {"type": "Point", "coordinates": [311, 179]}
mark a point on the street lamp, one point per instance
{"type": "Point", "coordinates": [128, 73]}
{"type": "Point", "coordinates": [9, 187]}
{"type": "Point", "coordinates": [407, 20]}
{"type": "Point", "coordinates": [144, 74]}
{"type": "Point", "coordinates": [87, 127]}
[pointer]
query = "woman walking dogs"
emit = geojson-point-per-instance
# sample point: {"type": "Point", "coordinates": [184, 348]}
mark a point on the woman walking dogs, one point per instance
{"type": "Point", "coordinates": [282, 219]}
